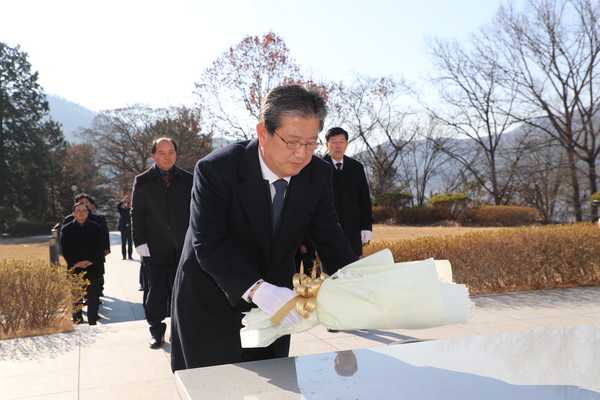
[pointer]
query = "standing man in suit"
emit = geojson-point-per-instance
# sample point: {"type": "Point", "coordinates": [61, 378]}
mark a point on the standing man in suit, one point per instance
{"type": "Point", "coordinates": [81, 244]}
{"type": "Point", "coordinates": [99, 219]}
{"type": "Point", "coordinates": [350, 191]}
{"type": "Point", "coordinates": [94, 217]}
{"type": "Point", "coordinates": [124, 209]}
{"type": "Point", "coordinates": [160, 213]}
{"type": "Point", "coordinates": [252, 204]}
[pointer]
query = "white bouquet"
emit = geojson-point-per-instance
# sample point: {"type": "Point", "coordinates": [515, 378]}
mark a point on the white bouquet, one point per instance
{"type": "Point", "coordinates": [372, 293]}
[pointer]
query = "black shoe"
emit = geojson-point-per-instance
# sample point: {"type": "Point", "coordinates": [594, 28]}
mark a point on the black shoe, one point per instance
{"type": "Point", "coordinates": [78, 321]}
{"type": "Point", "coordinates": [123, 258]}
{"type": "Point", "coordinates": [141, 289]}
{"type": "Point", "coordinates": [332, 330]}
{"type": "Point", "coordinates": [131, 258]}
{"type": "Point", "coordinates": [156, 343]}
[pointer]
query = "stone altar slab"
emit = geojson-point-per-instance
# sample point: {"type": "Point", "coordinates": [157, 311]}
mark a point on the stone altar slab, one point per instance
{"type": "Point", "coordinates": [545, 364]}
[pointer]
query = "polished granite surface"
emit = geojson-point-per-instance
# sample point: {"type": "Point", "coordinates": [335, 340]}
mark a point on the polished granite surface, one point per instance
{"type": "Point", "coordinates": [555, 363]}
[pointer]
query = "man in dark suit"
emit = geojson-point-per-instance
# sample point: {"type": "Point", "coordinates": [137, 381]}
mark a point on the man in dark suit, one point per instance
{"type": "Point", "coordinates": [94, 217]}
{"type": "Point", "coordinates": [252, 204]}
{"type": "Point", "coordinates": [82, 249]}
{"type": "Point", "coordinates": [124, 209]}
{"type": "Point", "coordinates": [101, 221]}
{"type": "Point", "coordinates": [350, 191]}
{"type": "Point", "coordinates": [160, 213]}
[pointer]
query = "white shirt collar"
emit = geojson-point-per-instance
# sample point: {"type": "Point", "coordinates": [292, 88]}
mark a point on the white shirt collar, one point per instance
{"type": "Point", "coordinates": [267, 174]}
{"type": "Point", "coordinates": [337, 161]}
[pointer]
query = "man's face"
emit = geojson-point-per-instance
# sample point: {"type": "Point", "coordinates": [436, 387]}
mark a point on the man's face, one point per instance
{"type": "Point", "coordinates": [281, 160]}
{"type": "Point", "coordinates": [165, 155]}
{"type": "Point", "coordinates": [80, 213]}
{"type": "Point", "coordinates": [337, 146]}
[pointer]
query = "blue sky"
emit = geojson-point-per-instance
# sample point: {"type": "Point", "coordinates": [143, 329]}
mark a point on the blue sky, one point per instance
{"type": "Point", "coordinates": [114, 53]}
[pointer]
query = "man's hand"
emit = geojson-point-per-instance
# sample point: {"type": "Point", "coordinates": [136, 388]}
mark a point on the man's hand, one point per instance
{"type": "Point", "coordinates": [83, 264]}
{"type": "Point", "coordinates": [365, 236]}
{"type": "Point", "coordinates": [271, 298]}
{"type": "Point", "coordinates": [143, 250]}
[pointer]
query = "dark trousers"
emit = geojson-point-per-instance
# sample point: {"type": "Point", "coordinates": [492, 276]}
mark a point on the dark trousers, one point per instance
{"type": "Point", "coordinates": [92, 298]}
{"type": "Point", "coordinates": [126, 243]}
{"type": "Point", "coordinates": [205, 330]}
{"type": "Point", "coordinates": [158, 286]}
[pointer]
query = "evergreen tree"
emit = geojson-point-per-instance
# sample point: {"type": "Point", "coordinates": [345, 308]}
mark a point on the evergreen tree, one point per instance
{"type": "Point", "coordinates": [27, 139]}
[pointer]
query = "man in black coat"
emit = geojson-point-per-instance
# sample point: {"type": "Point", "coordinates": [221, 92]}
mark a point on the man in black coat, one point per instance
{"type": "Point", "coordinates": [81, 245]}
{"type": "Point", "coordinates": [94, 217]}
{"type": "Point", "coordinates": [101, 221]}
{"type": "Point", "coordinates": [124, 226]}
{"type": "Point", "coordinates": [160, 213]}
{"type": "Point", "coordinates": [239, 248]}
{"type": "Point", "coordinates": [350, 191]}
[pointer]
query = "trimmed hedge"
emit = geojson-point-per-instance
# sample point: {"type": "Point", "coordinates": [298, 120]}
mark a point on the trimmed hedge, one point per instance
{"type": "Point", "coordinates": [36, 297]}
{"type": "Point", "coordinates": [31, 228]}
{"type": "Point", "coordinates": [505, 215]}
{"type": "Point", "coordinates": [450, 206]}
{"type": "Point", "coordinates": [512, 259]}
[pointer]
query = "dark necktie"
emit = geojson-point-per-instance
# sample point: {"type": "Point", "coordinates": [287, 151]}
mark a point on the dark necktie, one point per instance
{"type": "Point", "coordinates": [280, 186]}
{"type": "Point", "coordinates": [167, 177]}
{"type": "Point", "coordinates": [338, 166]}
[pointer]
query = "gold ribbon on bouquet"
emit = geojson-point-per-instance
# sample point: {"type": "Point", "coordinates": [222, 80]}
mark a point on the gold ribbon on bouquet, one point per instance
{"type": "Point", "coordinates": [307, 289]}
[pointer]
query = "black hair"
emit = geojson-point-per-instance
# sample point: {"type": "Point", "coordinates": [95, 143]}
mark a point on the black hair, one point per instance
{"type": "Point", "coordinates": [292, 100]}
{"type": "Point", "coordinates": [335, 132]}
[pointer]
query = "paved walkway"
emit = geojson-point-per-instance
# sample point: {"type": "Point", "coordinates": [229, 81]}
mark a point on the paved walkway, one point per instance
{"type": "Point", "coordinates": [112, 360]}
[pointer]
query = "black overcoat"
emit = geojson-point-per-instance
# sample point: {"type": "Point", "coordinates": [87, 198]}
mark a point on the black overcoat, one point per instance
{"type": "Point", "coordinates": [160, 214]}
{"type": "Point", "coordinates": [352, 201]}
{"type": "Point", "coordinates": [229, 246]}
{"type": "Point", "coordinates": [80, 242]}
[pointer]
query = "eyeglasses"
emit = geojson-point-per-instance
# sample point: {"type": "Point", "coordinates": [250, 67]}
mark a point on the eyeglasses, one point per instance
{"type": "Point", "coordinates": [311, 146]}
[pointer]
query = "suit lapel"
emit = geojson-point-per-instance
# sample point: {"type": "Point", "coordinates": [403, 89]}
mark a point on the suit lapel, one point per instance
{"type": "Point", "coordinates": [254, 197]}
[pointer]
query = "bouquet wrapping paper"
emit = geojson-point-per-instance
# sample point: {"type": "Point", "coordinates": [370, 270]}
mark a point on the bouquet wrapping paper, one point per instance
{"type": "Point", "coordinates": [374, 293]}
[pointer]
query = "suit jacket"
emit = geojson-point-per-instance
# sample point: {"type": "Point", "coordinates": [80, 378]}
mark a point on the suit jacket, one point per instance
{"type": "Point", "coordinates": [352, 200]}
{"type": "Point", "coordinates": [83, 242]}
{"type": "Point", "coordinates": [101, 221]}
{"type": "Point", "coordinates": [229, 245]}
{"type": "Point", "coordinates": [160, 215]}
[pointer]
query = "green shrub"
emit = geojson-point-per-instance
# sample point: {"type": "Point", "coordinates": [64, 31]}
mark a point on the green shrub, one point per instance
{"type": "Point", "coordinates": [35, 296]}
{"type": "Point", "coordinates": [417, 216]}
{"type": "Point", "coordinates": [394, 199]}
{"type": "Point", "coordinates": [450, 206]}
{"type": "Point", "coordinates": [8, 216]}
{"type": "Point", "coordinates": [31, 228]}
{"type": "Point", "coordinates": [505, 215]}
{"type": "Point", "coordinates": [511, 259]}
{"type": "Point", "coordinates": [393, 202]}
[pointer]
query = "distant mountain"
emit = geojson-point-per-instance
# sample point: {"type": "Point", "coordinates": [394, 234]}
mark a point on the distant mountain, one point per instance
{"type": "Point", "coordinates": [72, 116]}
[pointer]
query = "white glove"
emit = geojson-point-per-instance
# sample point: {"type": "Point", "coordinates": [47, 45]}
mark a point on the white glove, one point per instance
{"type": "Point", "coordinates": [271, 298]}
{"type": "Point", "coordinates": [365, 236]}
{"type": "Point", "coordinates": [143, 250]}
